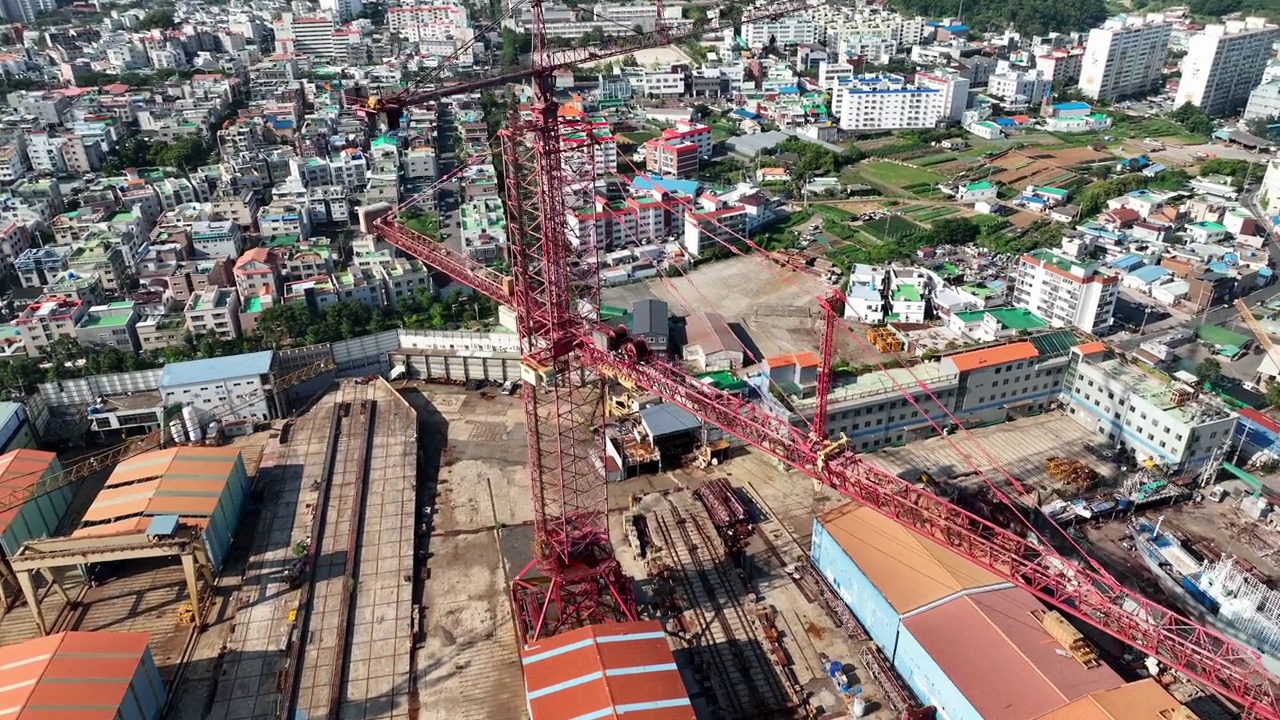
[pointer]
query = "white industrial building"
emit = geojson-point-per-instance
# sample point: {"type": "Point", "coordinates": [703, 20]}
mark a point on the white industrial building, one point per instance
{"type": "Point", "coordinates": [1124, 57]}
{"type": "Point", "coordinates": [237, 392]}
{"type": "Point", "coordinates": [1167, 422]}
{"type": "Point", "coordinates": [1224, 63]}
{"type": "Point", "coordinates": [1066, 292]}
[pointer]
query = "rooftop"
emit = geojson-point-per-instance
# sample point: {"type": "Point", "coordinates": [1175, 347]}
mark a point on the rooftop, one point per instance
{"type": "Point", "coordinates": [1156, 388]}
{"type": "Point", "coordinates": [909, 570]}
{"type": "Point", "coordinates": [992, 356]}
{"type": "Point", "coordinates": [20, 470]}
{"type": "Point", "coordinates": [880, 382]}
{"type": "Point", "coordinates": [193, 372]}
{"type": "Point", "coordinates": [82, 675]}
{"type": "Point", "coordinates": [183, 481]}
{"type": "Point", "coordinates": [1000, 658]}
{"type": "Point", "coordinates": [605, 671]}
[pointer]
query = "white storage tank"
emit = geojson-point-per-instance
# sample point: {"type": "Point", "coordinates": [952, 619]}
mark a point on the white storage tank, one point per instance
{"type": "Point", "coordinates": [177, 431]}
{"type": "Point", "coordinates": [192, 420]}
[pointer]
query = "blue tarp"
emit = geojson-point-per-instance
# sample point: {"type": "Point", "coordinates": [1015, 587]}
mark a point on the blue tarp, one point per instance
{"type": "Point", "coordinates": [745, 114]}
{"type": "Point", "coordinates": [1005, 122]}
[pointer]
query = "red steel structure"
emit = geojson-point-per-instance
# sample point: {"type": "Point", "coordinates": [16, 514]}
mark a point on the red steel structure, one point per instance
{"type": "Point", "coordinates": [574, 580]}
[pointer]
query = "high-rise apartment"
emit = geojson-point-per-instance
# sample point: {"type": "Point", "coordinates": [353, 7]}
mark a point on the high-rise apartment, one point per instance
{"type": "Point", "coordinates": [1224, 63]}
{"type": "Point", "coordinates": [311, 36]}
{"type": "Point", "coordinates": [1124, 57]}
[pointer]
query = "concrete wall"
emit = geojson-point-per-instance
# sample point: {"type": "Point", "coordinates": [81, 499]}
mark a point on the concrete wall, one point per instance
{"type": "Point", "coordinates": [870, 607]}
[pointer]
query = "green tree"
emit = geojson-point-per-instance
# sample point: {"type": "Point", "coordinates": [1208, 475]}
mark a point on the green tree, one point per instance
{"type": "Point", "coordinates": [1029, 17]}
{"type": "Point", "coordinates": [1193, 120]}
{"type": "Point", "coordinates": [159, 19]}
{"type": "Point", "coordinates": [1209, 370]}
{"type": "Point", "coordinates": [514, 44]}
{"type": "Point", "coordinates": [1273, 394]}
{"type": "Point", "coordinates": [594, 35]}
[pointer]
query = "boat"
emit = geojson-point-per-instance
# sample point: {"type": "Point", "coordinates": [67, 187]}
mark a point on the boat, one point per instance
{"type": "Point", "coordinates": [1218, 593]}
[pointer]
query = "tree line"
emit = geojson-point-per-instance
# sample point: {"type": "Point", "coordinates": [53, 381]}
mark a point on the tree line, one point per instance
{"type": "Point", "coordinates": [286, 325]}
{"type": "Point", "coordinates": [1029, 17]}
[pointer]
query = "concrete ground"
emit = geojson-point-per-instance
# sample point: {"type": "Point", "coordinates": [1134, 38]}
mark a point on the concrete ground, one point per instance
{"type": "Point", "coordinates": [466, 668]}
{"type": "Point", "coordinates": [1019, 448]}
{"type": "Point", "coordinates": [773, 311]}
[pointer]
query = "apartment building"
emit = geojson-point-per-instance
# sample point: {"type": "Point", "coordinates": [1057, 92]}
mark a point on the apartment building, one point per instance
{"type": "Point", "coordinates": [284, 219]}
{"type": "Point", "coordinates": [157, 329]}
{"type": "Point", "coordinates": [1125, 57]}
{"type": "Point", "coordinates": [37, 266]}
{"type": "Point", "coordinates": [618, 223]}
{"type": "Point", "coordinates": [215, 310]}
{"type": "Point", "coordinates": [105, 258]}
{"type": "Point", "coordinates": [1065, 292]}
{"type": "Point", "coordinates": [419, 22]}
{"type": "Point", "coordinates": [1061, 67]}
{"type": "Point", "coordinates": [784, 31]}
{"type": "Point", "coordinates": [1126, 405]}
{"type": "Point", "coordinates": [402, 278]}
{"type": "Point", "coordinates": [13, 161]}
{"type": "Point", "coordinates": [671, 158]}
{"type": "Point", "coordinates": [256, 271]}
{"type": "Point", "coordinates": [1264, 102]}
{"type": "Point", "coordinates": [1019, 89]}
{"type": "Point", "coordinates": [47, 153]}
{"type": "Point", "coordinates": [888, 102]}
{"type": "Point", "coordinates": [1224, 63]}
{"type": "Point", "coordinates": [421, 163]}
{"type": "Point", "coordinates": [47, 319]}
{"type": "Point", "coordinates": [84, 286]}
{"type": "Point", "coordinates": [708, 229]}
{"type": "Point", "coordinates": [310, 36]}
{"type": "Point", "coordinates": [217, 239]}
{"type": "Point", "coordinates": [111, 325]}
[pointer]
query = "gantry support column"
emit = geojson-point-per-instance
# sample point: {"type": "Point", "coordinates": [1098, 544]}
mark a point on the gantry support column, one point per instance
{"type": "Point", "coordinates": [189, 570]}
{"type": "Point", "coordinates": [29, 591]}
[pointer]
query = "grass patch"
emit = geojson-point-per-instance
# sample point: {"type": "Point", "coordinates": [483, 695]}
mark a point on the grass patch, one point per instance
{"type": "Point", "coordinates": [899, 176]}
{"type": "Point", "coordinates": [934, 160]}
{"type": "Point", "coordinates": [640, 136]}
{"type": "Point", "coordinates": [890, 228]}
{"type": "Point", "coordinates": [934, 213]}
{"type": "Point", "coordinates": [833, 213]}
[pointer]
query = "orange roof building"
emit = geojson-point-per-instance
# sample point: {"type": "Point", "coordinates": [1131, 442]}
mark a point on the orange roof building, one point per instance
{"type": "Point", "coordinates": [992, 356]}
{"type": "Point", "coordinates": [605, 671]}
{"type": "Point", "coordinates": [80, 676]}
{"type": "Point", "coordinates": [964, 639]}
{"type": "Point", "coordinates": [29, 516]}
{"type": "Point", "coordinates": [1142, 700]}
{"type": "Point", "coordinates": [203, 487]}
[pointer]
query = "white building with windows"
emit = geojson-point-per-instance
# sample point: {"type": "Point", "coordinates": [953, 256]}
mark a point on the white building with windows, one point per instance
{"type": "Point", "coordinates": [1224, 63]}
{"type": "Point", "coordinates": [888, 102]}
{"type": "Point", "coordinates": [311, 36]}
{"type": "Point", "coordinates": [233, 392]}
{"type": "Point", "coordinates": [1019, 89]}
{"type": "Point", "coordinates": [1125, 57]}
{"type": "Point", "coordinates": [1170, 423]}
{"type": "Point", "coordinates": [1065, 291]}
{"type": "Point", "coordinates": [791, 29]}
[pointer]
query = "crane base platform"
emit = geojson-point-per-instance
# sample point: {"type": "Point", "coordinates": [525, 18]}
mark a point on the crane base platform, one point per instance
{"type": "Point", "coordinates": [572, 597]}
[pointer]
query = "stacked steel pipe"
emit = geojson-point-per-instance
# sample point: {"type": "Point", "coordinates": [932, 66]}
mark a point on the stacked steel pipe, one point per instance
{"type": "Point", "coordinates": [728, 515]}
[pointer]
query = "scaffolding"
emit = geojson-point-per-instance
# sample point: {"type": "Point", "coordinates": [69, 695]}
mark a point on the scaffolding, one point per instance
{"type": "Point", "coordinates": [1252, 608]}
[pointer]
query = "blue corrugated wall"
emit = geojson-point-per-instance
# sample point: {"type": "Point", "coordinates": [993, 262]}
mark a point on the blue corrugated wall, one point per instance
{"type": "Point", "coordinates": [930, 685]}
{"type": "Point", "coordinates": [37, 518]}
{"type": "Point", "coordinates": [226, 515]}
{"type": "Point", "coordinates": [862, 597]}
{"type": "Point", "coordinates": [146, 696]}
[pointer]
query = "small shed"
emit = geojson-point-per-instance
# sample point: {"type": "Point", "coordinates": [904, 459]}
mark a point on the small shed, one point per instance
{"type": "Point", "coordinates": [665, 421]}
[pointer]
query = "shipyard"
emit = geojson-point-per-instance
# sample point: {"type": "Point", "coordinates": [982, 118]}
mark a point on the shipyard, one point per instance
{"type": "Point", "coordinates": [525, 360]}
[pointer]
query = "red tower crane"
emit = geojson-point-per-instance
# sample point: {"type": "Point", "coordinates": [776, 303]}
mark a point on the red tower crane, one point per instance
{"type": "Point", "coordinates": [574, 578]}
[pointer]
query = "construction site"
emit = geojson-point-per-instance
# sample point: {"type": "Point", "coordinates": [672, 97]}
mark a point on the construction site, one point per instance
{"type": "Point", "coordinates": [293, 536]}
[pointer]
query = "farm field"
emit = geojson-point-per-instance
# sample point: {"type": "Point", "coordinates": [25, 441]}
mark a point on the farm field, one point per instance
{"type": "Point", "coordinates": [899, 176]}
{"type": "Point", "coordinates": [927, 213]}
{"type": "Point", "coordinates": [890, 227]}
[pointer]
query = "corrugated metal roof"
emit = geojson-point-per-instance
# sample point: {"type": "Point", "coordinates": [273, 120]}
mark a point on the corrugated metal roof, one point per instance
{"type": "Point", "coordinates": [666, 419]}
{"type": "Point", "coordinates": [993, 356]}
{"type": "Point", "coordinates": [20, 470]}
{"type": "Point", "coordinates": [81, 675]}
{"type": "Point", "coordinates": [999, 657]}
{"type": "Point", "coordinates": [194, 372]}
{"type": "Point", "coordinates": [185, 481]}
{"type": "Point", "coordinates": [605, 671]}
{"type": "Point", "coordinates": [1142, 700]}
{"type": "Point", "coordinates": [909, 570]}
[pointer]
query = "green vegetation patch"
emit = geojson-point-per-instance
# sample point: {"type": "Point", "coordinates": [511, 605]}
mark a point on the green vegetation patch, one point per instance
{"type": "Point", "coordinates": [899, 176]}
